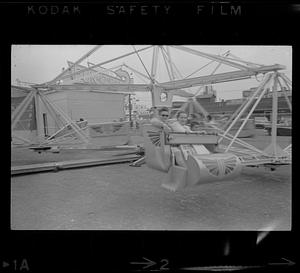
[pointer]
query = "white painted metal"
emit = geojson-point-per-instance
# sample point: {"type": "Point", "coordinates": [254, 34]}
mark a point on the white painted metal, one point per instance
{"type": "Point", "coordinates": [96, 65]}
{"type": "Point", "coordinates": [170, 63]}
{"type": "Point", "coordinates": [54, 115]}
{"type": "Point", "coordinates": [274, 117]}
{"type": "Point", "coordinates": [136, 52]}
{"type": "Point", "coordinates": [165, 61]}
{"type": "Point", "coordinates": [137, 72]}
{"type": "Point", "coordinates": [261, 86]}
{"type": "Point", "coordinates": [244, 72]}
{"type": "Point", "coordinates": [21, 110]}
{"type": "Point", "coordinates": [238, 141]}
{"type": "Point", "coordinates": [228, 122]}
{"type": "Point", "coordinates": [264, 90]}
{"type": "Point", "coordinates": [289, 82]}
{"type": "Point", "coordinates": [154, 63]}
{"type": "Point", "coordinates": [220, 63]}
{"type": "Point", "coordinates": [21, 138]}
{"type": "Point", "coordinates": [74, 126]}
{"type": "Point", "coordinates": [18, 112]}
{"type": "Point", "coordinates": [211, 57]}
{"type": "Point", "coordinates": [218, 78]}
{"type": "Point", "coordinates": [103, 87]}
{"type": "Point", "coordinates": [284, 93]}
{"type": "Point", "coordinates": [69, 69]}
{"type": "Point", "coordinates": [238, 59]}
{"type": "Point", "coordinates": [39, 124]}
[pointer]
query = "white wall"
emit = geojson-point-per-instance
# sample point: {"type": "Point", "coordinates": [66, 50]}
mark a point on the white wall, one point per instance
{"type": "Point", "coordinates": [92, 106]}
{"type": "Point", "coordinates": [60, 100]}
{"type": "Point", "coordinates": [95, 107]}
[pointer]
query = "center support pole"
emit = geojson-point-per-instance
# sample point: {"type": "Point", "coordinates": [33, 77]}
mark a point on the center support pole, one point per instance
{"type": "Point", "coordinates": [273, 149]}
{"type": "Point", "coordinates": [39, 125]}
{"type": "Point", "coordinates": [274, 116]}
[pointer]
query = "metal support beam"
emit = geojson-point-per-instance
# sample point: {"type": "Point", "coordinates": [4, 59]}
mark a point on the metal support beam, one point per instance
{"type": "Point", "coordinates": [274, 116]}
{"type": "Point", "coordinates": [196, 71]}
{"type": "Point", "coordinates": [273, 149]}
{"type": "Point", "coordinates": [239, 142]}
{"type": "Point", "coordinates": [69, 69]}
{"type": "Point", "coordinates": [22, 138]}
{"type": "Point", "coordinates": [288, 81]}
{"type": "Point", "coordinates": [80, 163]}
{"type": "Point", "coordinates": [200, 108]}
{"type": "Point", "coordinates": [136, 71]}
{"type": "Point", "coordinates": [53, 138]}
{"type": "Point", "coordinates": [170, 63]}
{"type": "Point", "coordinates": [154, 63]}
{"type": "Point", "coordinates": [53, 114]}
{"type": "Point", "coordinates": [102, 87]}
{"type": "Point", "coordinates": [178, 84]}
{"type": "Point", "coordinates": [74, 126]}
{"type": "Point", "coordinates": [236, 112]}
{"type": "Point", "coordinates": [211, 57]}
{"type": "Point", "coordinates": [38, 114]}
{"type": "Point", "coordinates": [94, 66]}
{"type": "Point", "coordinates": [284, 93]}
{"type": "Point", "coordinates": [220, 63]}
{"type": "Point", "coordinates": [238, 59]}
{"type": "Point", "coordinates": [136, 52]}
{"type": "Point", "coordinates": [175, 69]}
{"type": "Point", "coordinates": [264, 90]}
{"type": "Point", "coordinates": [258, 90]}
{"type": "Point", "coordinates": [166, 64]}
{"type": "Point", "coordinates": [218, 78]}
{"type": "Point", "coordinates": [20, 109]}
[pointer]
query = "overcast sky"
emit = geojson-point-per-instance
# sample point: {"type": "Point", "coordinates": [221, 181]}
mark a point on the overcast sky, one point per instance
{"type": "Point", "coordinates": [42, 63]}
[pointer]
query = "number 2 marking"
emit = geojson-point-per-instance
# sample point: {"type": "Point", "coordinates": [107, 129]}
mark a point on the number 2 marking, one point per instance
{"type": "Point", "coordinates": [165, 263]}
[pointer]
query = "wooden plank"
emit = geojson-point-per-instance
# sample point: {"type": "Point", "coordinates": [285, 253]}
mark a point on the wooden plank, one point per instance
{"type": "Point", "coordinates": [54, 166]}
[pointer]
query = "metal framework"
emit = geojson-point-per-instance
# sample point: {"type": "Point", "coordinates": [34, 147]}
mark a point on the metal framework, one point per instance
{"type": "Point", "coordinates": [59, 116]}
{"type": "Point", "coordinates": [250, 155]}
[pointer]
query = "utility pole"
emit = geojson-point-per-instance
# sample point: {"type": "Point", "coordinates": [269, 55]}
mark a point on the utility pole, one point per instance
{"type": "Point", "coordinates": [130, 109]}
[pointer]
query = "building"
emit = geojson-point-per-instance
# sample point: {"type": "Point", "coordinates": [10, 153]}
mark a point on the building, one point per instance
{"type": "Point", "coordinates": [92, 106]}
{"type": "Point", "coordinates": [228, 107]}
{"type": "Point", "coordinates": [26, 127]}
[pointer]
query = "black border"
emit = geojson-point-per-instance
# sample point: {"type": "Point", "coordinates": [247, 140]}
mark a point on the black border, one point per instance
{"type": "Point", "coordinates": [261, 23]}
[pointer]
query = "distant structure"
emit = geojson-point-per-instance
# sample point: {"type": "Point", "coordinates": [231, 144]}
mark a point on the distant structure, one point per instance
{"type": "Point", "coordinates": [37, 121]}
{"type": "Point", "coordinates": [208, 100]}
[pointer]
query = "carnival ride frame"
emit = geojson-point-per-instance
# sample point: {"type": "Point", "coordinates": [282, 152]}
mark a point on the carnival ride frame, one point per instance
{"type": "Point", "coordinates": [250, 155]}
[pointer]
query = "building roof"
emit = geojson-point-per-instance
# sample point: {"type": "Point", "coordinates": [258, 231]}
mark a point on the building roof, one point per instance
{"type": "Point", "coordinates": [223, 107]}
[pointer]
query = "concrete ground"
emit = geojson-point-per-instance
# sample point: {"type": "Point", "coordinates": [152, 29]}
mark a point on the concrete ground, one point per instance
{"type": "Point", "coordinates": [120, 197]}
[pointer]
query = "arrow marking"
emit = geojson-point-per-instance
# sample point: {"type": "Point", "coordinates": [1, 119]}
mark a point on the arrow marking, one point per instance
{"type": "Point", "coordinates": [148, 263]}
{"type": "Point", "coordinates": [288, 262]}
{"type": "Point", "coordinates": [221, 268]}
{"type": "Point", "coordinates": [237, 267]}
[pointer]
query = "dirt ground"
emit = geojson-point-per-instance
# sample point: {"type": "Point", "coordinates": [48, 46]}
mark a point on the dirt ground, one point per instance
{"type": "Point", "coordinates": [120, 197]}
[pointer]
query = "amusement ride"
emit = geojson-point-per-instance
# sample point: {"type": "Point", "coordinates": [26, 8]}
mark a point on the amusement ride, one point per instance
{"type": "Point", "coordinates": [187, 158]}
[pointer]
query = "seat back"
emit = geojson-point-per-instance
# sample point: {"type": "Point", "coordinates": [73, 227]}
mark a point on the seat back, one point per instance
{"type": "Point", "coordinates": [157, 155]}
